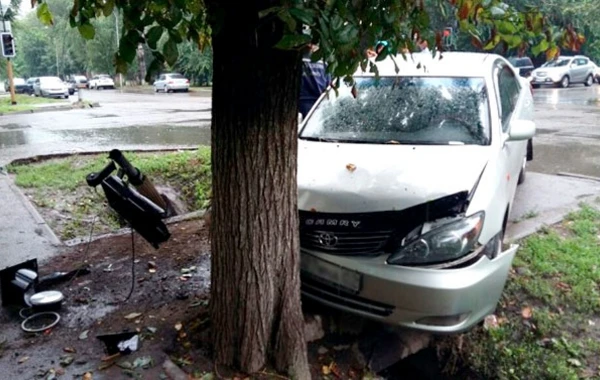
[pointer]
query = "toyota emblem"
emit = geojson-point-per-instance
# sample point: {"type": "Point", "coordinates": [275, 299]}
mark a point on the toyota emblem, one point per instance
{"type": "Point", "coordinates": [328, 240]}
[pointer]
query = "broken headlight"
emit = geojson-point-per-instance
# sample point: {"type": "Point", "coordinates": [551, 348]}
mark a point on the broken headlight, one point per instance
{"type": "Point", "coordinates": [448, 242]}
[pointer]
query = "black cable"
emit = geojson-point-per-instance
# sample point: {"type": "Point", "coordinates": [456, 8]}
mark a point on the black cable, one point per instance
{"type": "Point", "coordinates": [87, 249]}
{"type": "Point", "coordinates": [132, 266]}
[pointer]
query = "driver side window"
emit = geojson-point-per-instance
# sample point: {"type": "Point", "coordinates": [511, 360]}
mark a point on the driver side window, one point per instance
{"type": "Point", "coordinates": [508, 88]}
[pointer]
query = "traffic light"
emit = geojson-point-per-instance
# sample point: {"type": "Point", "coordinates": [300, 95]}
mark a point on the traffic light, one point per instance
{"type": "Point", "coordinates": [8, 45]}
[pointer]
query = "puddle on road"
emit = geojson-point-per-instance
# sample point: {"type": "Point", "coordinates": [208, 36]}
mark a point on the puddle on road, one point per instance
{"type": "Point", "coordinates": [134, 135]}
{"type": "Point", "coordinates": [15, 126]}
{"type": "Point", "coordinates": [572, 158]}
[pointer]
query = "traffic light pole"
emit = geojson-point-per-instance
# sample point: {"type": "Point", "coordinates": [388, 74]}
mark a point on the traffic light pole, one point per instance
{"type": "Point", "coordinates": [11, 84]}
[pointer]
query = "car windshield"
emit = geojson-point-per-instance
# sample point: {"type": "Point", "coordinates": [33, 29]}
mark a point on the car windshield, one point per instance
{"type": "Point", "coordinates": [176, 76]}
{"type": "Point", "coordinates": [404, 110]}
{"type": "Point", "coordinates": [51, 81]}
{"type": "Point", "coordinates": [103, 77]}
{"type": "Point", "coordinates": [560, 62]}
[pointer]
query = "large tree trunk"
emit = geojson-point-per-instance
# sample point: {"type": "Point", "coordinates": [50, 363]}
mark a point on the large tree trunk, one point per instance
{"type": "Point", "coordinates": [255, 293]}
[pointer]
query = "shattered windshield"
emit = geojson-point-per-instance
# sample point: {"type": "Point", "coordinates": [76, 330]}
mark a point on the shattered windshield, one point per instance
{"type": "Point", "coordinates": [404, 110]}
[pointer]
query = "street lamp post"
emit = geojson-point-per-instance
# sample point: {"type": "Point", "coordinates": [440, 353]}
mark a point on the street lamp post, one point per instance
{"type": "Point", "coordinates": [118, 38]}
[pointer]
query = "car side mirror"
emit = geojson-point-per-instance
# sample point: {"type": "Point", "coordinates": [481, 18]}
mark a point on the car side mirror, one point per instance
{"type": "Point", "coordinates": [521, 130]}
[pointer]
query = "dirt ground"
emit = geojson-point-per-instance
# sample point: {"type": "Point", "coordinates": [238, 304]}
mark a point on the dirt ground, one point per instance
{"type": "Point", "coordinates": [171, 287]}
{"type": "Point", "coordinates": [169, 309]}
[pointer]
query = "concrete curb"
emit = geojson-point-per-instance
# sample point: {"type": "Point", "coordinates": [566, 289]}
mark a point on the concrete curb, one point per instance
{"type": "Point", "coordinates": [522, 229]}
{"type": "Point", "coordinates": [65, 107]}
{"type": "Point", "coordinates": [39, 220]}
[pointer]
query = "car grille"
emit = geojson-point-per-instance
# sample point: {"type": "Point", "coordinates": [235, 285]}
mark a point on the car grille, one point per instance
{"type": "Point", "coordinates": [541, 74]}
{"type": "Point", "coordinates": [322, 292]}
{"type": "Point", "coordinates": [347, 243]}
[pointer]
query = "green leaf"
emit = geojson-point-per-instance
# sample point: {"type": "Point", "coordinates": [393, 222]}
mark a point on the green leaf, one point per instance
{"type": "Point", "coordinates": [265, 12]}
{"type": "Point", "coordinates": [44, 14]}
{"type": "Point", "coordinates": [108, 8]}
{"type": "Point", "coordinates": [304, 15]}
{"type": "Point", "coordinates": [170, 52]}
{"type": "Point", "coordinates": [153, 35]}
{"type": "Point", "coordinates": [287, 18]}
{"type": "Point", "coordinates": [87, 31]}
{"type": "Point", "coordinates": [542, 46]}
{"type": "Point", "coordinates": [127, 49]}
{"type": "Point", "coordinates": [290, 41]}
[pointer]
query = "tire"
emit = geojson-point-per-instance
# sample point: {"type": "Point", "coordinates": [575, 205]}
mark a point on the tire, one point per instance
{"type": "Point", "coordinates": [156, 89]}
{"type": "Point", "coordinates": [565, 82]}
{"type": "Point", "coordinates": [523, 173]}
{"type": "Point", "coordinates": [535, 85]}
{"type": "Point", "coordinates": [589, 80]}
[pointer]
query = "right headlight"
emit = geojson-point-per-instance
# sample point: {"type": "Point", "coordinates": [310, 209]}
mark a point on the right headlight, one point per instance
{"type": "Point", "coordinates": [446, 243]}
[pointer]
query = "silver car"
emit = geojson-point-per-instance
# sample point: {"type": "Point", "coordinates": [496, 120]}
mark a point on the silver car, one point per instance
{"type": "Point", "coordinates": [563, 71]}
{"type": "Point", "coordinates": [51, 87]}
{"type": "Point", "coordinates": [405, 184]}
{"type": "Point", "coordinates": [171, 82]}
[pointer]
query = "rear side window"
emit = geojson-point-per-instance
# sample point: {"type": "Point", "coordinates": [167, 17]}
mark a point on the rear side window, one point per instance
{"type": "Point", "coordinates": [509, 89]}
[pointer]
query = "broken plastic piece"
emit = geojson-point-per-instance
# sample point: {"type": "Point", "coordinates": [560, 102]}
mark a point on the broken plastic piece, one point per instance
{"type": "Point", "coordinates": [123, 343]}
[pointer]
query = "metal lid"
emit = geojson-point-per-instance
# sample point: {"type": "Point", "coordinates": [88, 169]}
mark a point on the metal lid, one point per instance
{"type": "Point", "coordinates": [46, 298]}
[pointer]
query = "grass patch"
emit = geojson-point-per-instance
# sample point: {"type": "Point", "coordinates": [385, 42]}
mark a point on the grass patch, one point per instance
{"type": "Point", "coordinates": [24, 103]}
{"type": "Point", "coordinates": [556, 277]}
{"type": "Point", "coordinates": [59, 190]}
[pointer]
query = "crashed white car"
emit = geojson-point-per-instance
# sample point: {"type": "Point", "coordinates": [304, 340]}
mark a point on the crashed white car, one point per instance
{"type": "Point", "coordinates": [405, 188]}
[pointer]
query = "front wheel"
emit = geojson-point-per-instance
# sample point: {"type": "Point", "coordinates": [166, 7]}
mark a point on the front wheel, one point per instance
{"type": "Point", "coordinates": [535, 85]}
{"type": "Point", "coordinates": [565, 82]}
{"type": "Point", "coordinates": [589, 81]}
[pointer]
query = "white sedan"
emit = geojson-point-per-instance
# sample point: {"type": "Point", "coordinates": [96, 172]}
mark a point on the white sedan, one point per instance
{"type": "Point", "coordinates": [100, 82]}
{"type": "Point", "coordinates": [405, 186]}
{"type": "Point", "coordinates": [171, 82]}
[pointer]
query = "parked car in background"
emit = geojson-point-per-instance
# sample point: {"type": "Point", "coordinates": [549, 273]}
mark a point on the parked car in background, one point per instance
{"type": "Point", "coordinates": [563, 71]}
{"type": "Point", "coordinates": [524, 65]}
{"type": "Point", "coordinates": [404, 190]}
{"type": "Point", "coordinates": [80, 81]}
{"type": "Point", "coordinates": [51, 87]}
{"type": "Point", "coordinates": [171, 82]}
{"type": "Point", "coordinates": [29, 85]}
{"type": "Point", "coordinates": [100, 82]}
{"type": "Point", "coordinates": [20, 85]}
{"type": "Point", "coordinates": [71, 86]}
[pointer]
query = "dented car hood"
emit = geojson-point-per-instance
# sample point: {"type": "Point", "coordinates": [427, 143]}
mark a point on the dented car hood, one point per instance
{"type": "Point", "coordinates": [353, 178]}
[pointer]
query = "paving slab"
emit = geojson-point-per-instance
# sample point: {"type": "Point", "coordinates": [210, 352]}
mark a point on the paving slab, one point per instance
{"type": "Point", "coordinates": [24, 234]}
{"type": "Point", "coordinates": [546, 199]}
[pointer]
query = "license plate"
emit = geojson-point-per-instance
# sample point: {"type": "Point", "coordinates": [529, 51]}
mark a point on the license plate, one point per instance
{"type": "Point", "coordinates": [331, 273]}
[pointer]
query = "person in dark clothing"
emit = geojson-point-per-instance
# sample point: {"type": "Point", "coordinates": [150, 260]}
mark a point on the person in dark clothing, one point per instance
{"type": "Point", "coordinates": [313, 83]}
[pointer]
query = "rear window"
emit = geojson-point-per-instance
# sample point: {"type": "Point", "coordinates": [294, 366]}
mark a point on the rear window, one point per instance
{"type": "Point", "coordinates": [176, 76]}
{"type": "Point", "coordinates": [404, 110]}
{"type": "Point", "coordinates": [520, 62]}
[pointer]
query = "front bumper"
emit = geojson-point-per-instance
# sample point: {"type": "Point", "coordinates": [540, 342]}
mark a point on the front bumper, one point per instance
{"type": "Point", "coordinates": [545, 80]}
{"type": "Point", "coordinates": [435, 300]}
{"type": "Point", "coordinates": [54, 94]}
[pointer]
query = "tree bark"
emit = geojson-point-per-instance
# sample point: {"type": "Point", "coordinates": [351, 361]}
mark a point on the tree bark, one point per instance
{"type": "Point", "coordinates": [255, 292]}
{"type": "Point", "coordinates": [141, 61]}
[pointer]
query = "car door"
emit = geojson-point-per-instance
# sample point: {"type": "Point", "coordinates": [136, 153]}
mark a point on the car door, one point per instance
{"type": "Point", "coordinates": [36, 87]}
{"type": "Point", "coordinates": [162, 80]}
{"type": "Point", "coordinates": [511, 107]}
{"type": "Point", "coordinates": [581, 69]}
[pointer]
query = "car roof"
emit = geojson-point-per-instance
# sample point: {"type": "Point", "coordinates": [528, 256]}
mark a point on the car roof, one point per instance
{"type": "Point", "coordinates": [453, 64]}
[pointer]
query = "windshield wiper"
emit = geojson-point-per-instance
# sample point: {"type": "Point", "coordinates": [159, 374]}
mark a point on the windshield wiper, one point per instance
{"type": "Point", "coordinates": [320, 139]}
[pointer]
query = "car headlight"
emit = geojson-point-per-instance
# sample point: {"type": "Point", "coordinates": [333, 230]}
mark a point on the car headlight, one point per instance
{"type": "Point", "coordinates": [446, 243]}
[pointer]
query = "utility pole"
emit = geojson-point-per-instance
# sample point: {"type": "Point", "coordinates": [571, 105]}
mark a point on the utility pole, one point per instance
{"type": "Point", "coordinates": [8, 38]}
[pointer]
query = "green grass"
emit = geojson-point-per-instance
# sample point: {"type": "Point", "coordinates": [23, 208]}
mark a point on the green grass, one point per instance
{"type": "Point", "coordinates": [58, 185]}
{"type": "Point", "coordinates": [24, 103]}
{"type": "Point", "coordinates": [557, 275]}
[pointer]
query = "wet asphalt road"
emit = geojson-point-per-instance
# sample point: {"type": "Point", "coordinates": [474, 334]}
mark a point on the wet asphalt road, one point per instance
{"type": "Point", "coordinates": [568, 121]}
{"type": "Point", "coordinates": [125, 121]}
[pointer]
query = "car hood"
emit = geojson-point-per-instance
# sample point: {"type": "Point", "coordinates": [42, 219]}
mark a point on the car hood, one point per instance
{"type": "Point", "coordinates": [344, 178]}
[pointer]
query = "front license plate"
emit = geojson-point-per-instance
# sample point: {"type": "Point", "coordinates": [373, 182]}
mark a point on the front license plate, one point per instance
{"type": "Point", "coordinates": [331, 273]}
